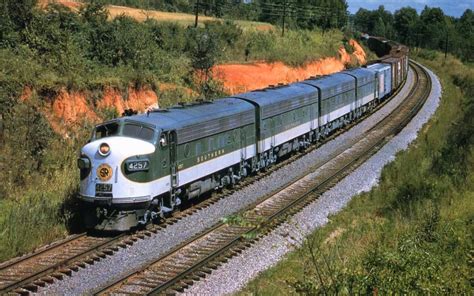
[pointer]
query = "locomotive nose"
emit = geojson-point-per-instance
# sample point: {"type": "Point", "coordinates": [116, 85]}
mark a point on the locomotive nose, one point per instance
{"type": "Point", "coordinates": [102, 163]}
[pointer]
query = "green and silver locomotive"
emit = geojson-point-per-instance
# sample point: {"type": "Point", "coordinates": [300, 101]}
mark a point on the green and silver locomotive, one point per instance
{"type": "Point", "coordinates": [141, 167]}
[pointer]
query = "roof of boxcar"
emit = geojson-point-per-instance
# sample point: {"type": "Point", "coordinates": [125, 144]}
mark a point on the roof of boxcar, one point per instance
{"type": "Point", "coordinates": [378, 66]}
{"type": "Point", "coordinates": [391, 60]}
{"type": "Point", "coordinates": [178, 117]}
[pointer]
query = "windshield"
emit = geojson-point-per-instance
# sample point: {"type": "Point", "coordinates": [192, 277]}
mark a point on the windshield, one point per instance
{"type": "Point", "coordinates": [138, 131]}
{"type": "Point", "coordinates": [106, 130]}
{"type": "Point", "coordinates": [128, 130]}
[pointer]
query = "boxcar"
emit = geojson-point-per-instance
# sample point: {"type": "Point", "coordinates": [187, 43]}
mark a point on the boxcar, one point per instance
{"type": "Point", "coordinates": [396, 67]}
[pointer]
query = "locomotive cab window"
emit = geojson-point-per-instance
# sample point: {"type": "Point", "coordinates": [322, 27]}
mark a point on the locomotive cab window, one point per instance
{"type": "Point", "coordinates": [163, 140]}
{"type": "Point", "coordinates": [106, 130]}
{"type": "Point", "coordinates": [138, 131]}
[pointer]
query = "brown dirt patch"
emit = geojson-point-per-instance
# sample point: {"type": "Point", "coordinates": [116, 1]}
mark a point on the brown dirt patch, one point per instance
{"type": "Point", "coordinates": [141, 14]}
{"type": "Point", "coordinates": [139, 100]}
{"type": "Point", "coordinates": [264, 27]}
{"type": "Point", "coordinates": [68, 110]}
{"type": "Point", "coordinates": [245, 77]}
{"type": "Point", "coordinates": [239, 78]}
{"type": "Point", "coordinates": [359, 52]}
{"type": "Point", "coordinates": [74, 5]}
{"type": "Point", "coordinates": [72, 107]}
{"type": "Point", "coordinates": [334, 235]}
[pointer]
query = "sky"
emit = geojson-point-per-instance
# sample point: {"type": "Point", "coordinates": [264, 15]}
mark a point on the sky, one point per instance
{"type": "Point", "coordinates": [450, 7]}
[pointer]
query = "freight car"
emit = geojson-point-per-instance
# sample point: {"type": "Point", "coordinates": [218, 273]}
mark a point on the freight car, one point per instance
{"type": "Point", "coordinates": [141, 167]}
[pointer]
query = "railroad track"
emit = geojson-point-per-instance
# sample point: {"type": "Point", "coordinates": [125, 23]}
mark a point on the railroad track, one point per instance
{"type": "Point", "coordinates": [46, 265]}
{"type": "Point", "coordinates": [189, 262]}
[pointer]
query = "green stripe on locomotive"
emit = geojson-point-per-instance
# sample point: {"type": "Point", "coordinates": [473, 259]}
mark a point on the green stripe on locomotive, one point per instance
{"type": "Point", "coordinates": [338, 101]}
{"type": "Point", "coordinates": [285, 121]}
{"type": "Point", "coordinates": [283, 107]}
{"type": "Point", "coordinates": [211, 147]}
{"type": "Point", "coordinates": [203, 131]}
{"type": "Point", "coordinates": [192, 153]}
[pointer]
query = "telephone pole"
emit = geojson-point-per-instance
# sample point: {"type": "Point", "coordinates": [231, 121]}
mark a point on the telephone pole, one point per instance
{"type": "Point", "coordinates": [283, 19]}
{"type": "Point", "coordinates": [196, 10]}
{"type": "Point", "coordinates": [446, 46]}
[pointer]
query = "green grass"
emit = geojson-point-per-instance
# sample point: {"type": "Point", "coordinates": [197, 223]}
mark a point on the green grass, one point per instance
{"type": "Point", "coordinates": [412, 234]}
{"type": "Point", "coordinates": [295, 48]}
{"type": "Point", "coordinates": [44, 210]}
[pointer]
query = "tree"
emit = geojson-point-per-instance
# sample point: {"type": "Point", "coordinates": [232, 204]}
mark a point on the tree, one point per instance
{"type": "Point", "coordinates": [465, 28]}
{"type": "Point", "coordinates": [94, 12]}
{"type": "Point", "coordinates": [433, 28]}
{"type": "Point", "coordinates": [204, 56]}
{"type": "Point", "coordinates": [379, 28]}
{"type": "Point", "coordinates": [405, 21]}
{"type": "Point", "coordinates": [15, 16]}
{"type": "Point", "coordinates": [362, 20]}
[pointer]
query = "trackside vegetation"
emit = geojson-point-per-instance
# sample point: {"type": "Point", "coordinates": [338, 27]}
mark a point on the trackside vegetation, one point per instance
{"type": "Point", "coordinates": [411, 234]}
{"type": "Point", "coordinates": [46, 50]}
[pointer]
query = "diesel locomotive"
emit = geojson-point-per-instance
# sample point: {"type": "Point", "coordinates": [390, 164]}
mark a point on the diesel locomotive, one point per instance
{"type": "Point", "coordinates": [141, 167]}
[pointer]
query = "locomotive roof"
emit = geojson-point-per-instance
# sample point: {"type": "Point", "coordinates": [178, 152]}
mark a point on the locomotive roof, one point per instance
{"type": "Point", "coordinates": [188, 114]}
{"type": "Point", "coordinates": [363, 76]}
{"type": "Point", "coordinates": [280, 99]}
{"type": "Point", "coordinates": [332, 85]}
{"type": "Point", "coordinates": [360, 73]}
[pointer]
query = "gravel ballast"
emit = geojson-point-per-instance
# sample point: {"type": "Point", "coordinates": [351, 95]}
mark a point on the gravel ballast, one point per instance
{"type": "Point", "coordinates": [237, 272]}
{"type": "Point", "coordinates": [87, 280]}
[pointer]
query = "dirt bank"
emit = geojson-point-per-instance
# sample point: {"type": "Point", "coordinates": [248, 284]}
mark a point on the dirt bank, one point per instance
{"type": "Point", "coordinates": [245, 77]}
{"type": "Point", "coordinates": [67, 110]}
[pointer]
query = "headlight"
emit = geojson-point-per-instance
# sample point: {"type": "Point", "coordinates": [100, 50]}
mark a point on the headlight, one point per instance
{"type": "Point", "coordinates": [137, 165]}
{"type": "Point", "coordinates": [104, 149]}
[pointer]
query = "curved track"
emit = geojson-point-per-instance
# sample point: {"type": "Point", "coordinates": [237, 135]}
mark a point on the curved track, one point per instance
{"type": "Point", "coordinates": [191, 261]}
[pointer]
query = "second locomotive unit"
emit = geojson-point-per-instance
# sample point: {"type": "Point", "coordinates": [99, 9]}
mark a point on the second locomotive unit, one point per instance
{"type": "Point", "coordinates": [141, 167]}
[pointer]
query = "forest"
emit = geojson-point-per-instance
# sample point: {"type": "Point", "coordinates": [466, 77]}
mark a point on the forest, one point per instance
{"type": "Point", "coordinates": [431, 29]}
{"type": "Point", "coordinates": [305, 14]}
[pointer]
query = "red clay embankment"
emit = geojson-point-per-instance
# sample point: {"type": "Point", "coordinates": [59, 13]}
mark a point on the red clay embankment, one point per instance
{"type": "Point", "coordinates": [239, 78]}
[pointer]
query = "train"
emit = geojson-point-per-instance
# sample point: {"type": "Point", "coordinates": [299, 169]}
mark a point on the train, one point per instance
{"type": "Point", "coordinates": [139, 168]}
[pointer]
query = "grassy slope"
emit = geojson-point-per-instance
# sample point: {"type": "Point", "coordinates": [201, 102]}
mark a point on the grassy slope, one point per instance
{"type": "Point", "coordinates": [412, 233]}
{"type": "Point", "coordinates": [183, 19]}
